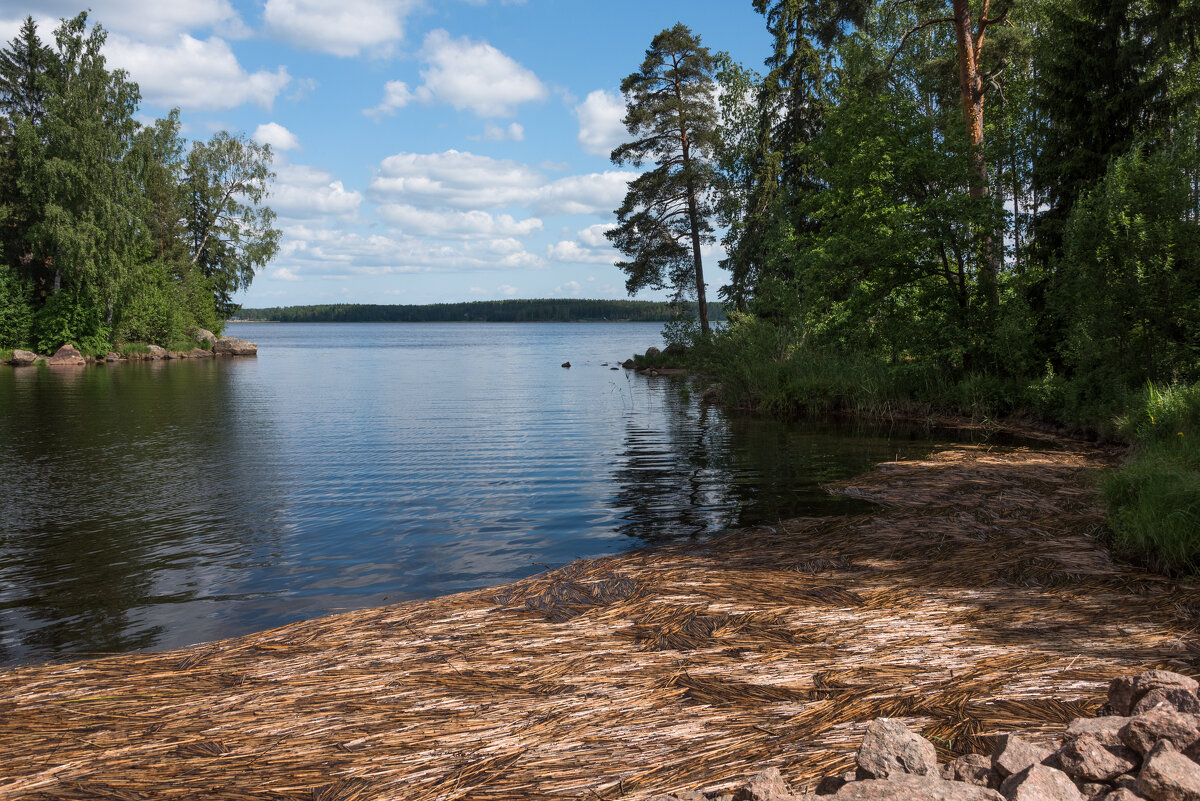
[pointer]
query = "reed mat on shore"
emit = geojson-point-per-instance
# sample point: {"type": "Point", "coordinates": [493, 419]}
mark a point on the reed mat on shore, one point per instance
{"type": "Point", "coordinates": [975, 601]}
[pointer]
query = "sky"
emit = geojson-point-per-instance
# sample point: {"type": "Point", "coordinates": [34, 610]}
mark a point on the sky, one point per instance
{"type": "Point", "coordinates": [425, 151]}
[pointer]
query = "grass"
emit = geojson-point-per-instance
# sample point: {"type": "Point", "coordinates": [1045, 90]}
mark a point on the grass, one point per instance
{"type": "Point", "coordinates": [5, 355]}
{"type": "Point", "coordinates": [1154, 498]}
{"type": "Point", "coordinates": [128, 349]}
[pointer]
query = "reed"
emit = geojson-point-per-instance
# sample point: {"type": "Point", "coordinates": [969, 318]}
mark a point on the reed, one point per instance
{"type": "Point", "coordinates": [975, 601]}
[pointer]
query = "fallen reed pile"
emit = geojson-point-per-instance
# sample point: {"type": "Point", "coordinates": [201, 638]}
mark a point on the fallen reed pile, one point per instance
{"type": "Point", "coordinates": [975, 601]}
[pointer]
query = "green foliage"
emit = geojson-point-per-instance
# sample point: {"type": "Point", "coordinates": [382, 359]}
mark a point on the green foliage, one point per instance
{"type": "Point", "coordinates": [75, 317]}
{"type": "Point", "coordinates": [16, 309]}
{"type": "Point", "coordinates": [664, 218]}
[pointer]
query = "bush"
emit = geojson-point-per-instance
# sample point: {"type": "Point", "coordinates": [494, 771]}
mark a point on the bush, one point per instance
{"type": "Point", "coordinates": [16, 309]}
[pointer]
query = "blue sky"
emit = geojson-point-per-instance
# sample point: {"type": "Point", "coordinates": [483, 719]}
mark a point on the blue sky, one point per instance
{"type": "Point", "coordinates": [426, 151]}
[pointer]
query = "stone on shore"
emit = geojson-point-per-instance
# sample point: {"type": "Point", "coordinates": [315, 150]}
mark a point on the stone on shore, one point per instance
{"type": "Point", "coordinates": [1086, 757]}
{"type": "Point", "coordinates": [652, 351]}
{"type": "Point", "coordinates": [23, 358]}
{"type": "Point", "coordinates": [767, 785]}
{"type": "Point", "coordinates": [889, 748]}
{"type": "Point", "coordinates": [1107, 729]}
{"type": "Point", "coordinates": [1124, 692]}
{"type": "Point", "coordinates": [973, 769]}
{"type": "Point", "coordinates": [112, 356]}
{"type": "Point", "coordinates": [911, 787]}
{"type": "Point", "coordinates": [1168, 776]}
{"type": "Point", "coordinates": [232, 346]}
{"type": "Point", "coordinates": [156, 352]}
{"type": "Point", "coordinates": [1014, 754]}
{"type": "Point", "coordinates": [67, 356]}
{"type": "Point", "coordinates": [203, 336]}
{"type": "Point", "coordinates": [1180, 729]}
{"type": "Point", "coordinates": [1040, 783]}
{"type": "Point", "coordinates": [1176, 698]}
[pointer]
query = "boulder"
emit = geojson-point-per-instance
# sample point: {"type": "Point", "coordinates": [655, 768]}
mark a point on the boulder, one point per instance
{"type": "Point", "coordinates": [1124, 692]}
{"type": "Point", "coordinates": [1093, 791]}
{"type": "Point", "coordinates": [889, 748]}
{"type": "Point", "coordinates": [973, 769]}
{"type": "Point", "coordinates": [1167, 775]}
{"type": "Point", "coordinates": [1123, 794]}
{"type": "Point", "coordinates": [112, 356]}
{"type": "Point", "coordinates": [1086, 757]}
{"type": "Point", "coordinates": [831, 784]}
{"type": "Point", "coordinates": [67, 356]}
{"type": "Point", "coordinates": [203, 336]}
{"type": "Point", "coordinates": [910, 787]}
{"type": "Point", "coordinates": [566, 364]}
{"type": "Point", "coordinates": [1161, 723]}
{"type": "Point", "coordinates": [22, 358]}
{"type": "Point", "coordinates": [652, 351]}
{"type": "Point", "coordinates": [628, 364]}
{"type": "Point", "coordinates": [156, 352]}
{"type": "Point", "coordinates": [1014, 754]}
{"type": "Point", "coordinates": [1106, 729]}
{"type": "Point", "coordinates": [1176, 698]}
{"type": "Point", "coordinates": [765, 786]}
{"type": "Point", "coordinates": [232, 346]}
{"type": "Point", "coordinates": [1040, 783]}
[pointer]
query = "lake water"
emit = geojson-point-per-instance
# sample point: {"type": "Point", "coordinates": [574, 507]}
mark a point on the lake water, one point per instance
{"type": "Point", "coordinates": [155, 505]}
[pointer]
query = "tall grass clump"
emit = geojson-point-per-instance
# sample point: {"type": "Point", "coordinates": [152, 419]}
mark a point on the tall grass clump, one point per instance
{"type": "Point", "coordinates": [1154, 499]}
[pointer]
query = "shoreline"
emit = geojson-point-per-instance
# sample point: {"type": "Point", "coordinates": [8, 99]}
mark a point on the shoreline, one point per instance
{"type": "Point", "coordinates": [975, 601]}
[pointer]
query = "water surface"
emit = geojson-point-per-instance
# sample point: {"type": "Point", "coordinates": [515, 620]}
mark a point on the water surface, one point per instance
{"type": "Point", "coordinates": [162, 504]}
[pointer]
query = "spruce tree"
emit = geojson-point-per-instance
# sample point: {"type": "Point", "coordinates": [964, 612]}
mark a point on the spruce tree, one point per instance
{"type": "Point", "coordinates": [671, 115]}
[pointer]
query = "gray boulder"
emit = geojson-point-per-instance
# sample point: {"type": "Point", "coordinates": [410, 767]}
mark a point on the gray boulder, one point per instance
{"type": "Point", "coordinates": [1161, 723]}
{"type": "Point", "coordinates": [22, 358]}
{"type": "Point", "coordinates": [1169, 776]}
{"type": "Point", "coordinates": [203, 336]}
{"type": "Point", "coordinates": [1176, 698]}
{"type": "Point", "coordinates": [1014, 754]}
{"type": "Point", "coordinates": [889, 748]}
{"type": "Point", "coordinates": [67, 356]}
{"type": "Point", "coordinates": [973, 769]}
{"type": "Point", "coordinates": [767, 785]}
{"type": "Point", "coordinates": [910, 787]}
{"type": "Point", "coordinates": [1087, 757]}
{"type": "Point", "coordinates": [1040, 783]}
{"type": "Point", "coordinates": [156, 352]}
{"type": "Point", "coordinates": [1106, 729]}
{"type": "Point", "coordinates": [232, 346]}
{"type": "Point", "coordinates": [1124, 692]}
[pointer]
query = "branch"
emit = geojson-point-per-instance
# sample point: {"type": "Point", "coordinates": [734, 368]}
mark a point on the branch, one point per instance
{"type": "Point", "coordinates": [904, 38]}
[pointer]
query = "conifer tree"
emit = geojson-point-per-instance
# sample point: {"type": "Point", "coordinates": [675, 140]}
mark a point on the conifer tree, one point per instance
{"type": "Point", "coordinates": [671, 115]}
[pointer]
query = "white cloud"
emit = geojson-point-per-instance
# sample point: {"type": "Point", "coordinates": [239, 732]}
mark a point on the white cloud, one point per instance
{"type": "Point", "coordinates": [275, 135]}
{"type": "Point", "coordinates": [344, 28]}
{"type": "Point", "coordinates": [456, 224]}
{"type": "Point", "coordinates": [513, 133]}
{"type": "Point", "coordinates": [507, 289]}
{"type": "Point", "coordinates": [396, 95]}
{"type": "Point", "coordinates": [600, 118]}
{"type": "Point", "coordinates": [465, 180]}
{"type": "Point", "coordinates": [594, 235]}
{"type": "Point", "coordinates": [150, 20]}
{"type": "Point", "coordinates": [194, 74]}
{"type": "Point", "coordinates": [476, 76]}
{"type": "Point", "coordinates": [284, 274]}
{"type": "Point", "coordinates": [590, 247]}
{"type": "Point", "coordinates": [307, 193]}
{"type": "Point", "coordinates": [569, 288]}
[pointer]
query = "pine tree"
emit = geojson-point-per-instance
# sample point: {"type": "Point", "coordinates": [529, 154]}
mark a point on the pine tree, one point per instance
{"type": "Point", "coordinates": [671, 115]}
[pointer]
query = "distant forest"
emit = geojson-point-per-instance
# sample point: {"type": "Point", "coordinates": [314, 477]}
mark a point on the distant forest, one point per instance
{"type": "Point", "coordinates": [487, 311]}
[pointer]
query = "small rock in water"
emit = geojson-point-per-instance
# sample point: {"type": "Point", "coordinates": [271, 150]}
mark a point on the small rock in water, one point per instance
{"type": "Point", "coordinates": [67, 356]}
{"type": "Point", "coordinates": [566, 364]}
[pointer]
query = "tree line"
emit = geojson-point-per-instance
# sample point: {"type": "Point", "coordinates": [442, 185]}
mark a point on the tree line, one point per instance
{"type": "Point", "coordinates": [999, 193]}
{"type": "Point", "coordinates": [112, 230]}
{"type": "Point", "coordinates": [487, 311]}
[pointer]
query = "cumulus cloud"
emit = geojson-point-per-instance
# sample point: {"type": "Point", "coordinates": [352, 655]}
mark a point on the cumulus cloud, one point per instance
{"type": "Point", "coordinates": [283, 274]}
{"type": "Point", "coordinates": [456, 224]}
{"type": "Point", "coordinates": [507, 289]}
{"type": "Point", "coordinates": [464, 180]}
{"type": "Point", "coordinates": [156, 20]}
{"type": "Point", "coordinates": [345, 28]}
{"type": "Point", "coordinates": [589, 247]}
{"type": "Point", "coordinates": [275, 135]}
{"type": "Point", "coordinates": [600, 118]}
{"type": "Point", "coordinates": [307, 193]}
{"type": "Point", "coordinates": [194, 74]}
{"type": "Point", "coordinates": [352, 253]}
{"type": "Point", "coordinates": [512, 133]}
{"type": "Point", "coordinates": [475, 75]}
{"type": "Point", "coordinates": [396, 95]}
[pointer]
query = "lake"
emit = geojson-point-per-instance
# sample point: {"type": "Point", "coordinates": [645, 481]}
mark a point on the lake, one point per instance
{"type": "Point", "coordinates": [160, 504]}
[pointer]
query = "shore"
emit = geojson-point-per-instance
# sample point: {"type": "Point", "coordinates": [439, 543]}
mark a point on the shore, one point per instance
{"type": "Point", "coordinates": [975, 601]}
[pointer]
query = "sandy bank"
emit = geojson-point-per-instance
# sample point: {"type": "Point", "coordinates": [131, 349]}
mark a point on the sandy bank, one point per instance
{"type": "Point", "coordinates": [974, 596]}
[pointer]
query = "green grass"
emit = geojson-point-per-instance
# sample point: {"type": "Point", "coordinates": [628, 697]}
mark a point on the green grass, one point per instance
{"type": "Point", "coordinates": [128, 349]}
{"type": "Point", "coordinates": [1154, 498]}
{"type": "Point", "coordinates": [5, 355]}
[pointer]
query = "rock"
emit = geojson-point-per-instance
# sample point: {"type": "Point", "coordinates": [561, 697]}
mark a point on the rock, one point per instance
{"type": "Point", "coordinates": [22, 358]}
{"type": "Point", "coordinates": [232, 346]}
{"type": "Point", "coordinates": [1106, 729]}
{"type": "Point", "coordinates": [652, 351]}
{"type": "Point", "coordinates": [203, 336]}
{"type": "Point", "coordinates": [629, 364]}
{"type": "Point", "coordinates": [765, 786]}
{"type": "Point", "coordinates": [156, 352]}
{"type": "Point", "coordinates": [1014, 754]}
{"type": "Point", "coordinates": [1086, 757]}
{"type": "Point", "coordinates": [198, 353]}
{"type": "Point", "coordinates": [1040, 783]}
{"type": "Point", "coordinates": [975, 769]}
{"type": "Point", "coordinates": [1123, 794]}
{"type": "Point", "coordinates": [614, 368]}
{"type": "Point", "coordinates": [888, 748]}
{"type": "Point", "coordinates": [566, 364]}
{"type": "Point", "coordinates": [1177, 698]}
{"type": "Point", "coordinates": [685, 795]}
{"type": "Point", "coordinates": [831, 784]}
{"type": "Point", "coordinates": [112, 357]}
{"type": "Point", "coordinates": [906, 787]}
{"type": "Point", "coordinates": [1167, 775]}
{"type": "Point", "coordinates": [1126, 691]}
{"type": "Point", "coordinates": [1093, 791]}
{"type": "Point", "coordinates": [67, 356]}
{"type": "Point", "coordinates": [1161, 723]}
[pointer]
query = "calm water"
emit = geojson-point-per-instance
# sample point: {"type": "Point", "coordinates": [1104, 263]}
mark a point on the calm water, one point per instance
{"type": "Point", "coordinates": [162, 504]}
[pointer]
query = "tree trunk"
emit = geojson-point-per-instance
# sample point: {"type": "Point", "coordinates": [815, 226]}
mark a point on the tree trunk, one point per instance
{"type": "Point", "coordinates": [970, 83]}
